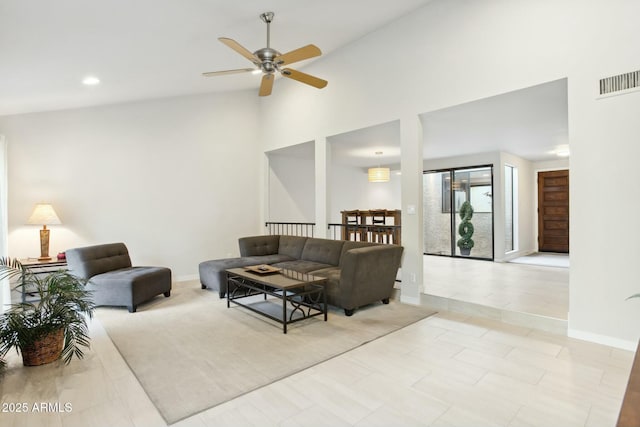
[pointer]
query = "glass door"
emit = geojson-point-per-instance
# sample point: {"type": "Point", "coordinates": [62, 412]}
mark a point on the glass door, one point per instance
{"type": "Point", "coordinates": [473, 227]}
{"type": "Point", "coordinates": [437, 213]}
{"type": "Point", "coordinates": [458, 212]}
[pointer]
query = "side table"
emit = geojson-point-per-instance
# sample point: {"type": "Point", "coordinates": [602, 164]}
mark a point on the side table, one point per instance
{"type": "Point", "coordinates": [40, 268]}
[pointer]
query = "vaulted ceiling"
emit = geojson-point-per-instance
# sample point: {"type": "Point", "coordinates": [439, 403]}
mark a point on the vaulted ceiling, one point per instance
{"type": "Point", "coordinates": [531, 123]}
{"type": "Point", "coordinates": [146, 49]}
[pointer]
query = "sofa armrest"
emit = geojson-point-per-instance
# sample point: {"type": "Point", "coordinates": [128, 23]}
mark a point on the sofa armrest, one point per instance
{"type": "Point", "coordinates": [258, 245]}
{"type": "Point", "coordinates": [368, 274]}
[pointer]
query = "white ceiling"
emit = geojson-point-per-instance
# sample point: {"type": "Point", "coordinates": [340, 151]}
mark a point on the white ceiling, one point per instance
{"type": "Point", "coordinates": [145, 49]}
{"type": "Point", "coordinates": [142, 49]}
{"type": "Point", "coordinates": [531, 123]}
{"type": "Point", "coordinates": [359, 147]}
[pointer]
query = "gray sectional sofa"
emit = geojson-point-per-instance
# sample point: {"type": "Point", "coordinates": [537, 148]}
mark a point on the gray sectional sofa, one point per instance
{"type": "Point", "coordinates": [358, 273]}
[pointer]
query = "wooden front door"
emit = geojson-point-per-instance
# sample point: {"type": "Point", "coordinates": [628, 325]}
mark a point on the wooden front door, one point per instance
{"type": "Point", "coordinates": [553, 211]}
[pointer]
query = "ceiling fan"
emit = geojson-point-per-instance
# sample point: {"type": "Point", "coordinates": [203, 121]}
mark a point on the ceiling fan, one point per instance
{"type": "Point", "coordinates": [269, 61]}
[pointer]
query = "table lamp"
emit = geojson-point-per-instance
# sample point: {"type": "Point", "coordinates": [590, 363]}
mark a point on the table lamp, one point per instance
{"type": "Point", "coordinates": [45, 215]}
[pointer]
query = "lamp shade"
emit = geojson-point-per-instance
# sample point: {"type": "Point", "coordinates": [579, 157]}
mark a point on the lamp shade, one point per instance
{"type": "Point", "coordinates": [43, 214]}
{"type": "Point", "coordinates": [379, 174]}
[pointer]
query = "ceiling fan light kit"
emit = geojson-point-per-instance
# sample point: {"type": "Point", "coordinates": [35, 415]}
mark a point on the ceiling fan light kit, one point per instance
{"type": "Point", "coordinates": [269, 61]}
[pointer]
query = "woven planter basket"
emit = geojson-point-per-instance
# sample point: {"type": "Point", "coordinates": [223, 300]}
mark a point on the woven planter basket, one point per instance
{"type": "Point", "coordinates": [45, 350]}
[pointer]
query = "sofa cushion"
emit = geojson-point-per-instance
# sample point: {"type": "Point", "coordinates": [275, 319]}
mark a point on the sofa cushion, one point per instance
{"type": "Point", "coordinates": [301, 265]}
{"type": "Point", "coordinates": [258, 245]}
{"type": "Point", "coordinates": [126, 277]}
{"type": "Point", "coordinates": [129, 286]}
{"type": "Point", "coordinates": [323, 251]}
{"type": "Point", "coordinates": [90, 261]}
{"type": "Point", "coordinates": [291, 246]}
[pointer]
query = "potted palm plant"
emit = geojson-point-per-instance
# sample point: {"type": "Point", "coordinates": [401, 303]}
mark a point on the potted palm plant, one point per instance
{"type": "Point", "coordinates": [51, 327]}
{"type": "Point", "coordinates": [465, 229]}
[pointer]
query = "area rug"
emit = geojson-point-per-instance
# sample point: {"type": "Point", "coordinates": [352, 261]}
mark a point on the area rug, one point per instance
{"type": "Point", "coordinates": [190, 352]}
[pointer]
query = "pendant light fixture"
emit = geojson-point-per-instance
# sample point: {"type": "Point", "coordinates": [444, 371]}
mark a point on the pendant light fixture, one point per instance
{"type": "Point", "coordinates": [379, 174]}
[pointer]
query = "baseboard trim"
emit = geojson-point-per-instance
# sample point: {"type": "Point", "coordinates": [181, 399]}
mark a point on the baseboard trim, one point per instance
{"type": "Point", "coordinates": [409, 300]}
{"type": "Point", "coordinates": [187, 278]}
{"type": "Point", "coordinates": [602, 339]}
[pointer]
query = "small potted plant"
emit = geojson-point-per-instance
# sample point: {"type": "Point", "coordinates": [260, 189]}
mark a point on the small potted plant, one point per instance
{"type": "Point", "coordinates": [51, 327]}
{"type": "Point", "coordinates": [465, 229]}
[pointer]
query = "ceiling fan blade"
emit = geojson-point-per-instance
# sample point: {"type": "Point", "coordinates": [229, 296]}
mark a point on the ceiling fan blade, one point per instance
{"type": "Point", "coordinates": [305, 52]}
{"type": "Point", "coordinates": [222, 73]}
{"type": "Point", "coordinates": [266, 85]}
{"type": "Point", "coordinates": [304, 78]}
{"type": "Point", "coordinates": [240, 49]}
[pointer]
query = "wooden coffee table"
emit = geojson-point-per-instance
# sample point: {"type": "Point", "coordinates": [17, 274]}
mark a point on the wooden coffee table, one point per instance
{"type": "Point", "coordinates": [302, 295]}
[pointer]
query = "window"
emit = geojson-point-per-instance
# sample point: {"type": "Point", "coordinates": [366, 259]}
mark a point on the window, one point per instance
{"type": "Point", "coordinates": [5, 293]}
{"type": "Point", "coordinates": [511, 207]}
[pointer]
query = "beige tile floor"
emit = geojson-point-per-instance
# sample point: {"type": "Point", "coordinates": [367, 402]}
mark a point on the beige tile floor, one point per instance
{"type": "Point", "coordinates": [446, 370]}
{"type": "Point", "coordinates": [533, 289]}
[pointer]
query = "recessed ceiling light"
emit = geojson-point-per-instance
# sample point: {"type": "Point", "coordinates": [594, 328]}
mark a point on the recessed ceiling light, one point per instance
{"type": "Point", "coordinates": [90, 81]}
{"type": "Point", "coordinates": [562, 153]}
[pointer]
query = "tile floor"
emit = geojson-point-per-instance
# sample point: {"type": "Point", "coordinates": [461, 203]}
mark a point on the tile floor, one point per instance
{"type": "Point", "coordinates": [446, 370]}
{"type": "Point", "coordinates": [538, 290]}
{"type": "Point", "coordinates": [549, 259]}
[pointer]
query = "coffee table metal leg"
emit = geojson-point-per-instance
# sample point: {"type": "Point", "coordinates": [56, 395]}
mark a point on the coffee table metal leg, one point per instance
{"type": "Point", "coordinates": [324, 298]}
{"type": "Point", "coordinates": [284, 312]}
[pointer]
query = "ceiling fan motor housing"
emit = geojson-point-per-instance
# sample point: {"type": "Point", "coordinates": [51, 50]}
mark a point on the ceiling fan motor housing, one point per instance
{"type": "Point", "coordinates": [266, 56]}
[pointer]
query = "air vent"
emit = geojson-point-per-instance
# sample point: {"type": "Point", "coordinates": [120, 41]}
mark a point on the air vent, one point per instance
{"type": "Point", "coordinates": [620, 82]}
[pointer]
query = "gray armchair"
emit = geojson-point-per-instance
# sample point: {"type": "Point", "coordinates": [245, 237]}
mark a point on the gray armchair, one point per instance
{"type": "Point", "coordinates": [112, 278]}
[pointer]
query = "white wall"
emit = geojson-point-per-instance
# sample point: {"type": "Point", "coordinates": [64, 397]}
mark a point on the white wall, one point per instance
{"type": "Point", "coordinates": [351, 189]}
{"type": "Point", "coordinates": [604, 250]}
{"type": "Point", "coordinates": [292, 196]}
{"type": "Point", "coordinates": [171, 178]}
{"type": "Point", "coordinates": [455, 51]}
{"type": "Point", "coordinates": [291, 189]}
